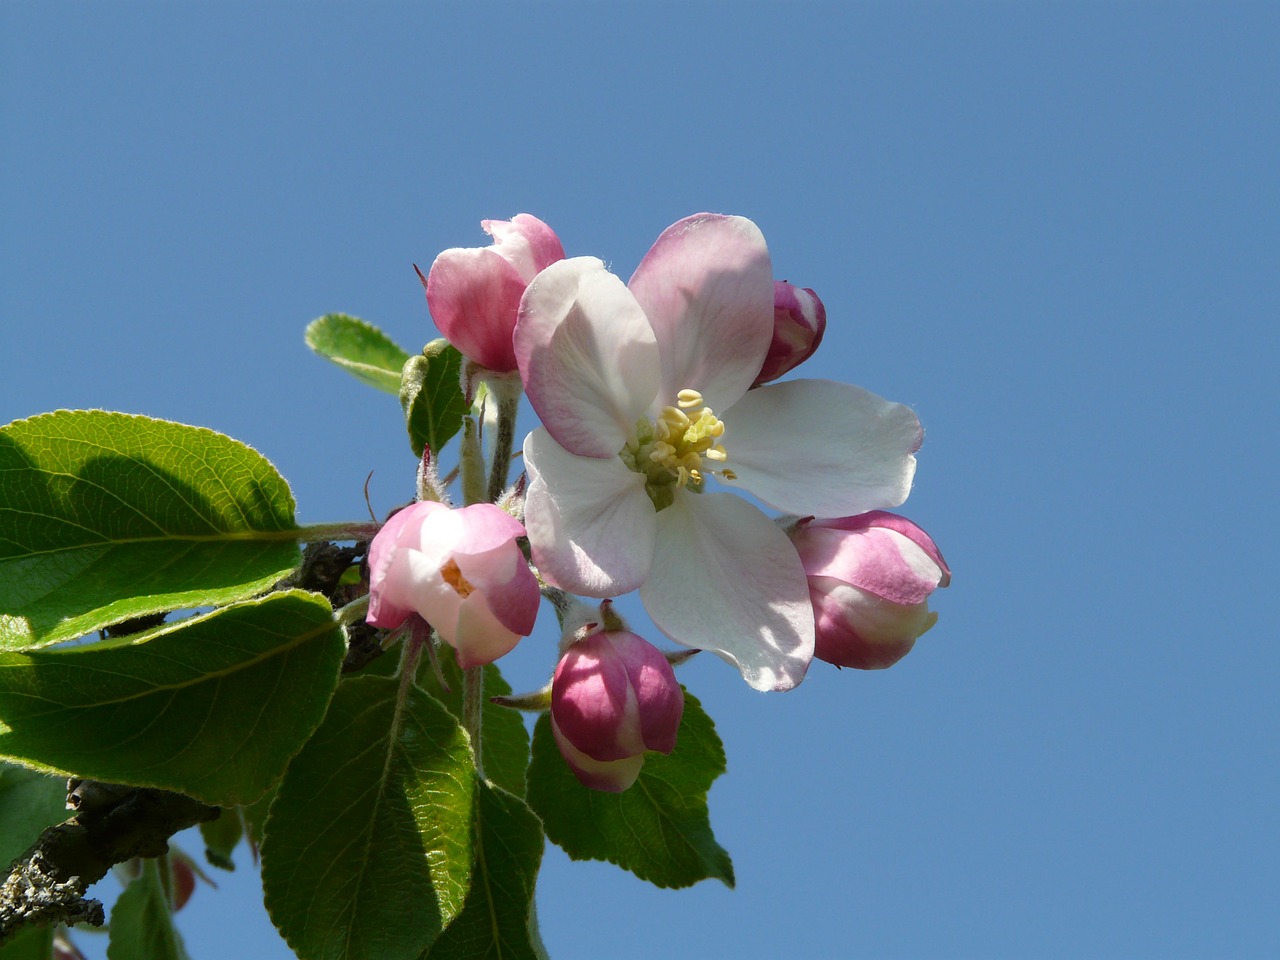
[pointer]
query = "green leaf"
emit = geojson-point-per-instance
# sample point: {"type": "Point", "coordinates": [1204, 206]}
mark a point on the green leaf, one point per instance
{"type": "Point", "coordinates": [367, 849]}
{"type": "Point", "coordinates": [29, 943]}
{"type": "Point", "coordinates": [29, 802]}
{"type": "Point", "coordinates": [141, 924]}
{"type": "Point", "coordinates": [358, 347]}
{"type": "Point", "coordinates": [497, 919]}
{"type": "Point", "coordinates": [254, 817]}
{"type": "Point", "coordinates": [505, 748]}
{"type": "Point", "coordinates": [221, 837]}
{"type": "Point", "coordinates": [212, 707]}
{"type": "Point", "coordinates": [107, 516]}
{"type": "Point", "coordinates": [659, 829]}
{"type": "Point", "coordinates": [431, 396]}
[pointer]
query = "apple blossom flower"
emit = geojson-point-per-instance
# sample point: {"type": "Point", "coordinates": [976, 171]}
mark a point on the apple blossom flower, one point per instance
{"type": "Point", "coordinates": [461, 571]}
{"type": "Point", "coordinates": [614, 696]}
{"type": "Point", "coordinates": [870, 578]}
{"type": "Point", "coordinates": [643, 395]}
{"type": "Point", "coordinates": [473, 292]}
{"type": "Point", "coordinates": [799, 321]}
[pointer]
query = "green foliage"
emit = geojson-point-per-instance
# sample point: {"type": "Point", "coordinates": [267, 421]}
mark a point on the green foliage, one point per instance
{"type": "Point", "coordinates": [431, 396]}
{"type": "Point", "coordinates": [29, 943]}
{"type": "Point", "coordinates": [212, 707]}
{"type": "Point", "coordinates": [658, 829]}
{"type": "Point", "coordinates": [105, 517]}
{"type": "Point", "coordinates": [358, 347]}
{"type": "Point", "coordinates": [221, 837]}
{"type": "Point", "coordinates": [497, 919]}
{"type": "Point", "coordinates": [505, 749]}
{"type": "Point", "coordinates": [367, 850]}
{"type": "Point", "coordinates": [141, 924]}
{"type": "Point", "coordinates": [29, 802]}
{"type": "Point", "coordinates": [254, 817]}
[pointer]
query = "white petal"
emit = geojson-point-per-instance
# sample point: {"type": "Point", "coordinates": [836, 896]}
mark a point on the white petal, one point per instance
{"type": "Point", "coordinates": [725, 578]}
{"type": "Point", "coordinates": [821, 448]}
{"type": "Point", "coordinates": [587, 355]}
{"type": "Point", "coordinates": [590, 523]}
{"type": "Point", "coordinates": [707, 288]}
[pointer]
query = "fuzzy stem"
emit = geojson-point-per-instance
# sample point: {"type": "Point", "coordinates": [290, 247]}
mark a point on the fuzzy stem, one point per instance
{"type": "Point", "coordinates": [472, 463]}
{"type": "Point", "coordinates": [473, 710]}
{"type": "Point", "coordinates": [353, 611]}
{"type": "Point", "coordinates": [506, 391]}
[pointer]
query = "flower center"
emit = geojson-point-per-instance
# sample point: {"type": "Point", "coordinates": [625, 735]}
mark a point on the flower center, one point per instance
{"type": "Point", "coordinates": [452, 575]}
{"type": "Point", "coordinates": [677, 449]}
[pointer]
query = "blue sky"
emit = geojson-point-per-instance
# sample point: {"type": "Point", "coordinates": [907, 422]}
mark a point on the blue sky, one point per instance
{"type": "Point", "coordinates": [1052, 229]}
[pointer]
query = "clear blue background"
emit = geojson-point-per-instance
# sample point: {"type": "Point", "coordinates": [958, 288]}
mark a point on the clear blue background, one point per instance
{"type": "Point", "coordinates": [1051, 229]}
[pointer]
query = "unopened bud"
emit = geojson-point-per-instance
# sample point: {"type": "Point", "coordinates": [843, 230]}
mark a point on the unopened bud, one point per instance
{"type": "Point", "coordinates": [613, 697]}
{"type": "Point", "coordinates": [799, 321]}
{"type": "Point", "coordinates": [870, 578]}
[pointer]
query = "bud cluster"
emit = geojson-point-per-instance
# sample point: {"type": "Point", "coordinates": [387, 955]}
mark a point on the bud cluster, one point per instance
{"type": "Point", "coordinates": [647, 393]}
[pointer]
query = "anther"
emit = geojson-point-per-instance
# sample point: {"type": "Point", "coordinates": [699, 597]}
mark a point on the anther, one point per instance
{"type": "Point", "coordinates": [689, 398]}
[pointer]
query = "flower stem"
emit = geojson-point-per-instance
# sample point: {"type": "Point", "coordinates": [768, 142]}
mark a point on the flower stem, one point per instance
{"type": "Point", "coordinates": [506, 391]}
{"type": "Point", "coordinates": [353, 611]}
{"type": "Point", "coordinates": [471, 460]}
{"type": "Point", "coordinates": [472, 710]}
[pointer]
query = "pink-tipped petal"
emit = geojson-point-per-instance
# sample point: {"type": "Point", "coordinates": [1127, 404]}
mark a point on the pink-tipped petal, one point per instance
{"type": "Point", "coordinates": [799, 322]}
{"type": "Point", "coordinates": [487, 526]}
{"type": "Point", "coordinates": [478, 636]}
{"type": "Point", "coordinates": [587, 356]}
{"type": "Point", "coordinates": [591, 525]}
{"type": "Point", "coordinates": [857, 629]}
{"type": "Point", "coordinates": [659, 699]}
{"type": "Point", "coordinates": [609, 776]}
{"type": "Point", "coordinates": [821, 448]}
{"type": "Point", "coordinates": [706, 286]}
{"type": "Point", "coordinates": [725, 578]}
{"type": "Point", "coordinates": [889, 521]}
{"type": "Point", "coordinates": [883, 562]}
{"type": "Point", "coordinates": [593, 703]}
{"type": "Point", "coordinates": [526, 242]}
{"type": "Point", "coordinates": [473, 295]}
{"type": "Point", "coordinates": [510, 589]}
{"type": "Point", "coordinates": [390, 595]}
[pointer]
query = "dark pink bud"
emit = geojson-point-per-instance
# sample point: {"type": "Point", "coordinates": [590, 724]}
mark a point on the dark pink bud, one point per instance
{"type": "Point", "coordinates": [870, 578]}
{"type": "Point", "coordinates": [799, 321]}
{"type": "Point", "coordinates": [473, 293]}
{"type": "Point", "coordinates": [613, 697]}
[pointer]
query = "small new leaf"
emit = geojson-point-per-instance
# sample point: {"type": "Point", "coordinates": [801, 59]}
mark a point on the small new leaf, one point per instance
{"type": "Point", "coordinates": [358, 347]}
{"type": "Point", "coordinates": [431, 396]}
{"type": "Point", "coordinates": [659, 828]}
{"type": "Point", "coordinates": [141, 924]}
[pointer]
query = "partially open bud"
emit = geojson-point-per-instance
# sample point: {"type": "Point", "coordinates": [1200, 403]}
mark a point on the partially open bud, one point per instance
{"type": "Point", "coordinates": [799, 321]}
{"type": "Point", "coordinates": [870, 578]}
{"type": "Point", "coordinates": [473, 292]}
{"type": "Point", "coordinates": [461, 571]}
{"type": "Point", "coordinates": [613, 697]}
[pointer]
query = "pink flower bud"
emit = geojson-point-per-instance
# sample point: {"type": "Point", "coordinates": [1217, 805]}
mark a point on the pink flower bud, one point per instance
{"type": "Point", "coordinates": [799, 321]}
{"type": "Point", "coordinates": [461, 571]}
{"type": "Point", "coordinates": [613, 697]}
{"type": "Point", "coordinates": [870, 578]}
{"type": "Point", "coordinates": [473, 292]}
